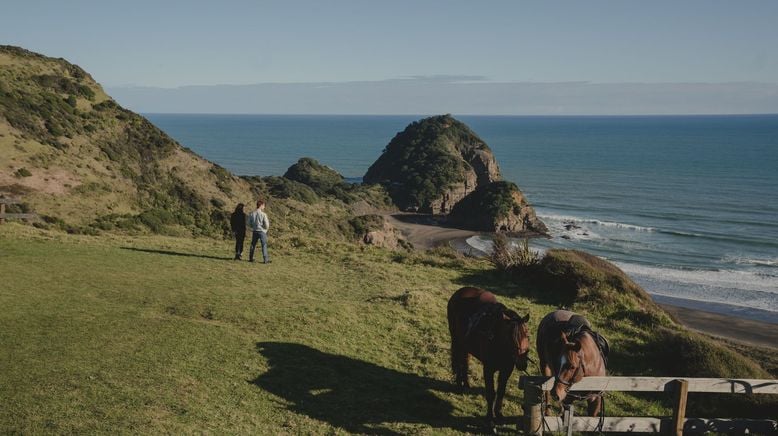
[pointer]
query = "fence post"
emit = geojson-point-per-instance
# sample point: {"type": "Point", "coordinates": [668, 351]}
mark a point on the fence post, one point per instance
{"type": "Point", "coordinates": [681, 389]}
{"type": "Point", "coordinates": [533, 415]}
{"type": "Point", "coordinates": [568, 418]}
{"type": "Point", "coordinates": [2, 212]}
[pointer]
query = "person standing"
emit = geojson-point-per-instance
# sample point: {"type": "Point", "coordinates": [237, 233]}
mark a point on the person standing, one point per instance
{"type": "Point", "coordinates": [259, 223]}
{"type": "Point", "coordinates": [238, 225]}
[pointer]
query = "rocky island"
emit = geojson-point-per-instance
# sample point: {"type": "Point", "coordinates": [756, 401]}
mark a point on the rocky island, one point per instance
{"type": "Point", "coordinates": [438, 165]}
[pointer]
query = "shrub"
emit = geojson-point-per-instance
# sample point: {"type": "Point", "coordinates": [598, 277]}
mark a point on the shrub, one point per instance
{"type": "Point", "coordinates": [23, 172]}
{"type": "Point", "coordinates": [510, 258]}
{"type": "Point", "coordinates": [281, 187]}
{"type": "Point", "coordinates": [156, 219]}
{"type": "Point", "coordinates": [364, 224]}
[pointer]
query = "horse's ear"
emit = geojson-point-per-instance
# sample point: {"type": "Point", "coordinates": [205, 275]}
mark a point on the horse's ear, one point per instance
{"type": "Point", "coordinates": [526, 318]}
{"type": "Point", "coordinates": [564, 338]}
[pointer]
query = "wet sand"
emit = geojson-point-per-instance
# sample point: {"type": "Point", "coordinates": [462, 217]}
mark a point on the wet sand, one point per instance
{"type": "Point", "coordinates": [751, 332]}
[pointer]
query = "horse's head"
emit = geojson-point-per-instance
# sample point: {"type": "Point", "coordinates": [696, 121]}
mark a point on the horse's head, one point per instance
{"type": "Point", "coordinates": [515, 329]}
{"type": "Point", "coordinates": [571, 368]}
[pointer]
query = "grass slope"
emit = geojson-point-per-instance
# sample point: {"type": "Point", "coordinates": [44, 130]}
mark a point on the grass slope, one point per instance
{"type": "Point", "coordinates": [161, 334]}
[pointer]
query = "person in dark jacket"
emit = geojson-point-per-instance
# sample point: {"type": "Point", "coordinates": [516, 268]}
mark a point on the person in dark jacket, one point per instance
{"type": "Point", "coordinates": [238, 225]}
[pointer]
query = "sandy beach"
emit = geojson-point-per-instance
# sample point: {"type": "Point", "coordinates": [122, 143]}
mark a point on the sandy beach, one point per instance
{"type": "Point", "coordinates": [424, 233]}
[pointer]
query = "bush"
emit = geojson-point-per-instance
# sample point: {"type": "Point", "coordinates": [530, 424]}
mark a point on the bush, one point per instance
{"type": "Point", "coordinates": [156, 219]}
{"type": "Point", "coordinates": [366, 223]}
{"type": "Point", "coordinates": [513, 259]}
{"type": "Point", "coordinates": [22, 172]}
{"type": "Point", "coordinates": [281, 187]}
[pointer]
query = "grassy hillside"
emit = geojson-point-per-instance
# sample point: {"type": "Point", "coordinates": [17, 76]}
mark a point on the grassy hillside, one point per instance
{"type": "Point", "coordinates": [164, 334]}
{"type": "Point", "coordinates": [73, 154]}
{"type": "Point", "coordinates": [87, 165]}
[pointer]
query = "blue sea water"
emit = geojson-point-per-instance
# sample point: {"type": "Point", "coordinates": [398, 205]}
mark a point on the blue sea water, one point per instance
{"type": "Point", "coordinates": [687, 205]}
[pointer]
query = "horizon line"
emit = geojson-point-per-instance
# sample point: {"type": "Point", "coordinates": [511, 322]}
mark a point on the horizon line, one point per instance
{"type": "Point", "coordinates": [712, 114]}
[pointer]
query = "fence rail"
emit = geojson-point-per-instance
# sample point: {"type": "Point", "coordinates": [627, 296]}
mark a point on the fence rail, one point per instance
{"type": "Point", "coordinates": [535, 423]}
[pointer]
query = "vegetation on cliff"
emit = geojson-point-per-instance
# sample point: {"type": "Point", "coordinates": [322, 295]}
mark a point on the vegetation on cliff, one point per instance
{"type": "Point", "coordinates": [425, 160]}
{"type": "Point", "coordinates": [497, 206]}
{"type": "Point", "coordinates": [327, 182]}
{"type": "Point", "coordinates": [322, 179]}
{"type": "Point", "coordinates": [87, 165]}
{"type": "Point", "coordinates": [92, 165]}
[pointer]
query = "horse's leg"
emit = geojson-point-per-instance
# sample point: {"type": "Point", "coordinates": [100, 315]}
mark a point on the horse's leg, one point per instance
{"type": "Point", "coordinates": [594, 405]}
{"type": "Point", "coordinates": [456, 361]}
{"type": "Point", "coordinates": [465, 368]}
{"type": "Point", "coordinates": [545, 367]}
{"type": "Point", "coordinates": [502, 383]}
{"type": "Point", "coordinates": [489, 393]}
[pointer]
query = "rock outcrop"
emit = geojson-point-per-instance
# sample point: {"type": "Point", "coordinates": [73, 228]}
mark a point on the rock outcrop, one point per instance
{"type": "Point", "coordinates": [433, 164]}
{"type": "Point", "coordinates": [438, 165]}
{"type": "Point", "coordinates": [497, 206]}
{"type": "Point", "coordinates": [376, 230]}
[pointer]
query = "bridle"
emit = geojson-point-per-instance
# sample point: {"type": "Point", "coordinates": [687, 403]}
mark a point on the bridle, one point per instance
{"type": "Point", "coordinates": [569, 383]}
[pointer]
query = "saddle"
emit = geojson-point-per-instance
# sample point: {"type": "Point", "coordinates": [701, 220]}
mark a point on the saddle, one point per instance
{"type": "Point", "coordinates": [482, 322]}
{"type": "Point", "coordinates": [577, 324]}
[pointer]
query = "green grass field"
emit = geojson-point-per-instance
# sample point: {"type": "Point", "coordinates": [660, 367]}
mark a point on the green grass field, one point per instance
{"type": "Point", "coordinates": [160, 334]}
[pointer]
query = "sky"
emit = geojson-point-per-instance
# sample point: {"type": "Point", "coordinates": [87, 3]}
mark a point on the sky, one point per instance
{"type": "Point", "coordinates": [722, 55]}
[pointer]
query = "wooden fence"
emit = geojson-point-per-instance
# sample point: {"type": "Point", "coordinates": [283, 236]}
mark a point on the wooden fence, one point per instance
{"type": "Point", "coordinates": [536, 424]}
{"type": "Point", "coordinates": [23, 216]}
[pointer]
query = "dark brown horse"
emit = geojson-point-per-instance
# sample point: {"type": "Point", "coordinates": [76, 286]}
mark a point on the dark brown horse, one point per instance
{"type": "Point", "coordinates": [569, 350]}
{"type": "Point", "coordinates": [493, 334]}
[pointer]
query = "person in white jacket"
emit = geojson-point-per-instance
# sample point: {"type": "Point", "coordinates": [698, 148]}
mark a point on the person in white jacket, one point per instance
{"type": "Point", "coordinates": [259, 224]}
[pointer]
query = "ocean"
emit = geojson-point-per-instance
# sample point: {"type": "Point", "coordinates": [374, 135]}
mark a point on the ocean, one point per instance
{"type": "Point", "coordinates": [686, 205]}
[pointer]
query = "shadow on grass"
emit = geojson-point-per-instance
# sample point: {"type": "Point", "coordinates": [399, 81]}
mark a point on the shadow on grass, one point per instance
{"type": "Point", "coordinates": [175, 253]}
{"type": "Point", "coordinates": [354, 395]}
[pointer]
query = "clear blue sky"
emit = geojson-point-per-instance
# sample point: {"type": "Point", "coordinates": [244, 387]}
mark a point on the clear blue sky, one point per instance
{"type": "Point", "coordinates": [178, 43]}
{"type": "Point", "coordinates": [169, 43]}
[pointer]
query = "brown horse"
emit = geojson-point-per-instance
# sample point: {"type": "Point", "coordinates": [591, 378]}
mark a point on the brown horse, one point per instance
{"type": "Point", "coordinates": [569, 350]}
{"type": "Point", "coordinates": [493, 334]}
